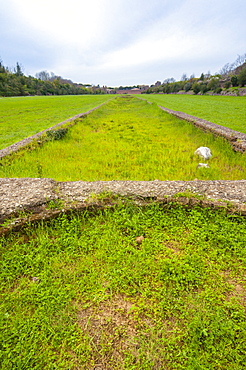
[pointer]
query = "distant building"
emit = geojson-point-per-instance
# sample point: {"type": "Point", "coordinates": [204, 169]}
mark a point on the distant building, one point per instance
{"type": "Point", "coordinates": [134, 90]}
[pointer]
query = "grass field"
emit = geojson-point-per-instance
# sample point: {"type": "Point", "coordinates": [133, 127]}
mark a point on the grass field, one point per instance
{"type": "Point", "coordinates": [82, 293]}
{"type": "Point", "coordinates": [128, 139]}
{"type": "Point", "coordinates": [229, 111]}
{"type": "Point", "coordinates": [24, 116]}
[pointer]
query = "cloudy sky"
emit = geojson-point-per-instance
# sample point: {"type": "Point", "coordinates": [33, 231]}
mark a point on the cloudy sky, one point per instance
{"type": "Point", "coordinates": [122, 42]}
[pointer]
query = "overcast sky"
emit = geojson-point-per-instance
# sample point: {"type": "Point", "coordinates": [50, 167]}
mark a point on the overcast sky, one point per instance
{"type": "Point", "coordinates": [122, 42]}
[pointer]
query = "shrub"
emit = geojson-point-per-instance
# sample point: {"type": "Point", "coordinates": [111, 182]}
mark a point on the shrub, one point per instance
{"type": "Point", "coordinates": [234, 81]}
{"type": "Point", "coordinates": [218, 90]}
{"type": "Point", "coordinates": [57, 134]}
{"type": "Point", "coordinates": [187, 86]}
{"type": "Point", "coordinates": [203, 88]}
{"type": "Point", "coordinates": [196, 88]}
{"type": "Point", "coordinates": [227, 84]}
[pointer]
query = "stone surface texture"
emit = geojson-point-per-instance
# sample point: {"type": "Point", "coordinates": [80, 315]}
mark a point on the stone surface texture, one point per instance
{"type": "Point", "coordinates": [34, 194]}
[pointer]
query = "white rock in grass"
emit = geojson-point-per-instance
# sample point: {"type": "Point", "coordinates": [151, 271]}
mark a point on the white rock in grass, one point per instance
{"type": "Point", "coordinates": [204, 152]}
{"type": "Point", "coordinates": [205, 165]}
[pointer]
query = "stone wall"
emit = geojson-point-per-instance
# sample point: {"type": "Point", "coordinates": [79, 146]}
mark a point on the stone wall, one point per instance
{"type": "Point", "coordinates": [27, 199]}
{"type": "Point", "coordinates": [236, 139]}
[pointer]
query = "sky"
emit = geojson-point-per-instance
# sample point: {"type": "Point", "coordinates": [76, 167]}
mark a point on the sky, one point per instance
{"type": "Point", "coordinates": [121, 42]}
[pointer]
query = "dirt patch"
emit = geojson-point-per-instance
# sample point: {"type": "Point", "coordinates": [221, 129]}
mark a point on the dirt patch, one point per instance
{"type": "Point", "coordinates": [112, 331]}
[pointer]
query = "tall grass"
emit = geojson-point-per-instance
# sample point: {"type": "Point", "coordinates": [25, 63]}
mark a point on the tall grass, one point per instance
{"type": "Point", "coordinates": [128, 139]}
{"type": "Point", "coordinates": [21, 117]}
{"type": "Point", "coordinates": [228, 111]}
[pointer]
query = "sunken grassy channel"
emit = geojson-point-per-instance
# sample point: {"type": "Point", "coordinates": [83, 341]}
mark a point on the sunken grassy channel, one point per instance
{"type": "Point", "coordinates": [228, 111]}
{"type": "Point", "coordinates": [22, 117]}
{"type": "Point", "coordinates": [80, 292]}
{"type": "Point", "coordinates": [128, 139]}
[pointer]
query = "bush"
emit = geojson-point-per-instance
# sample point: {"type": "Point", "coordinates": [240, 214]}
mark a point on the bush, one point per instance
{"type": "Point", "coordinates": [218, 90]}
{"type": "Point", "coordinates": [227, 84]}
{"type": "Point", "coordinates": [196, 88]}
{"type": "Point", "coordinates": [203, 88]}
{"type": "Point", "coordinates": [56, 134]}
{"type": "Point", "coordinates": [187, 86]}
{"type": "Point", "coordinates": [234, 81]}
{"type": "Point", "coordinates": [213, 84]}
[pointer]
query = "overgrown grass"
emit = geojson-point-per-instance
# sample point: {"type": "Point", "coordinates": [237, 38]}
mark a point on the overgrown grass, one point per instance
{"type": "Point", "coordinates": [82, 292]}
{"type": "Point", "coordinates": [228, 111]}
{"type": "Point", "coordinates": [21, 117]}
{"type": "Point", "coordinates": [128, 139]}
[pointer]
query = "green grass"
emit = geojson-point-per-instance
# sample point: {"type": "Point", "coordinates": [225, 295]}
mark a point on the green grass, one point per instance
{"type": "Point", "coordinates": [228, 111]}
{"type": "Point", "coordinates": [128, 139]}
{"type": "Point", "coordinates": [24, 116]}
{"type": "Point", "coordinates": [80, 293]}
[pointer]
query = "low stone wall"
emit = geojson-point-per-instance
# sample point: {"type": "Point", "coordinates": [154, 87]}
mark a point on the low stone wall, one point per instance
{"type": "Point", "coordinates": [18, 196]}
{"type": "Point", "coordinates": [236, 139]}
{"type": "Point", "coordinates": [21, 144]}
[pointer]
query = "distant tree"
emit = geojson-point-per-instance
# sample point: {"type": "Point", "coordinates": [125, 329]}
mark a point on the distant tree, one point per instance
{"type": "Point", "coordinates": [240, 60]}
{"type": "Point", "coordinates": [213, 84]}
{"type": "Point", "coordinates": [43, 75]}
{"type": "Point", "coordinates": [234, 80]}
{"type": "Point", "coordinates": [201, 77]}
{"type": "Point", "coordinates": [242, 77]}
{"type": "Point", "coordinates": [187, 86]}
{"type": "Point", "coordinates": [227, 84]}
{"type": "Point", "coordinates": [184, 77]}
{"type": "Point", "coordinates": [169, 80]}
{"type": "Point", "coordinates": [18, 70]}
{"type": "Point", "coordinates": [203, 88]}
{"type": "Point", "coordinates": [2, 68]}
{"type": "Point", "coordinates": [196, 88]}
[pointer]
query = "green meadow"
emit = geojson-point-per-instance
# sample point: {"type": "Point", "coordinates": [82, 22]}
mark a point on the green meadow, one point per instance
{"type": "Point", "coordinates": [21, 117]}
{"type": "Point", "coordinates": [125, 287]}
{"type": "Point", "coordinates": [82, 292]}
{"type": "Point", "coordinates": [127, 139]}
{"type": "Point", "coordinates": [229, 111]}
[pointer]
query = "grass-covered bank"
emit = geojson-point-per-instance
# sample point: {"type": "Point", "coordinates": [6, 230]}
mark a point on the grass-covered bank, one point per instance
{"type": "Point", "coordinates": [21, 117]}
{"type": "Point", "coordinates": [128, 139]}
{"type": "Point", "coordinates": [228, 111]}
{"type": "Point", "coordinates": [85, 292]}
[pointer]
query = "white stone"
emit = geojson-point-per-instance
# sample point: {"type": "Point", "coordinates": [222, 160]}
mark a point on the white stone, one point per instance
{"type": "Point", "coordinates": [204, 152]}
{"type": "Point", "coordinates": [205, 165]}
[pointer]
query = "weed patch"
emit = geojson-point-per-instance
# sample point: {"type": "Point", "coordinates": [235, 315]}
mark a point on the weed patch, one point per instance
{"type": "Point", "coordinates": [81, 292]}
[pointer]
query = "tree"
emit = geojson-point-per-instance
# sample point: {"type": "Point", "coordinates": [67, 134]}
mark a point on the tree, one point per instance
{"type": "Point", "coordinates": [201, 77]}
{"type": "Point", "coordinates": [184, 77]}
{"type": "Point", "coordinates": [18, 70]}
{"type": "Point", "coordinates": [43, 75]}
{"type": "Point", "coordinates": [242, 77]}
{"type": "Point", "coordinates": [234, 81]}
{"type": "Point", "coordinates": [187, 86]}
{"type": "Point", "coordinates": [196, 88]}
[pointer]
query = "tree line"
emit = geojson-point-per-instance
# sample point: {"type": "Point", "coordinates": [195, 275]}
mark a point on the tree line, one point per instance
{"type": "Point", "coordinates": [231, 75]}
{"type": "Point", "coordinates": [15, 83]}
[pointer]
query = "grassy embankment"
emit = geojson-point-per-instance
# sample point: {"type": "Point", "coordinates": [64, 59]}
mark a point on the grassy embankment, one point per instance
{"type": "Point", "coordinates": [22, 117]}
{"type": "Point", "coordinates": [228, 111]}
{"type": "Point", "coordinates": [128, 139]}
{"type": "Point", "coordinates": [81, 293]}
